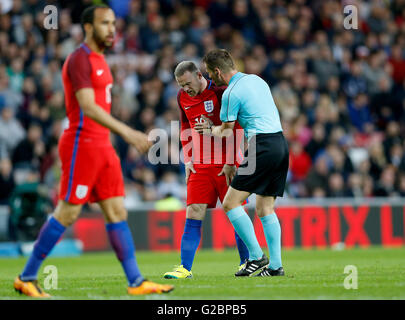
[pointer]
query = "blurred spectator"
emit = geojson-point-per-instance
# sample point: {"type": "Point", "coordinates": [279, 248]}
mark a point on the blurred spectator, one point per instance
{"type": "Point", "coordinates": [401, 185]}
{"type": "Point", "coordinates": [383, 104]}
{"type": "Point", "coordinates": [300, 161]}
{"type": "Point", "coordinates": [378, 160]}
{"type": "Point", "coordinates": [392, 138]}
{"type": "Point", "coordinates": [354, 82]}
{"type": "Point", "coordinates": [336, 186]}
{"type": "Point", "coordinates": [324, 66]}
{"type": "Point", "coordinates": [318, 141]}
{"type": "Point", "coordinates": [16, 74]}
{"type": "Point", "coordinates": [386, 184]}
{"type": "Point", "coordinates": [133, 162]}
{"type": "Point", "coordinates": [7, 182]}
{"type": "Point", "coordinates": [12, 99]}
{"type": "Point", "coordinates": [375, 71]}
{"type": "Point", "coordinates": [152, 34]}
{"type": "Point", "coordinates": [355, 186]}
{"type": "Point", "coordinates": [11, 131]}
{"type": "Point", "coordinates": [148, 185]}
{"type": "Point", "coordinates": [397, 61]}
{"type": "Point", "coordinates": [339, 161]}
{"type": "Point", "coordinates": [30, 150]}
{"type": "Point", "coordinates": [169, 184]}
{"type": "Point", "coordinates": [359, 112]}
{"type": "Point", "coordinates": [317, 177]}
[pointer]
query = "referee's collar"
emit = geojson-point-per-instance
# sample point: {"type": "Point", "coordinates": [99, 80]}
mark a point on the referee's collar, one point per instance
{"type": "Point", "coordinates": [235, 77]}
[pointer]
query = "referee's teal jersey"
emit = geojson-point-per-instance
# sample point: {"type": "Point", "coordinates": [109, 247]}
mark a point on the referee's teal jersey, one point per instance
{"type": "Point", "coordinates": [249, 101]}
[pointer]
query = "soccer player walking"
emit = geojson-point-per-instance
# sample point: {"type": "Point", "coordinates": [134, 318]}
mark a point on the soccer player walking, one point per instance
{"type": "Point", "coordinates": [91, 170]}
{"type": "Point", "coordinates": [248, 100]}
{"type": "Point", "coordinates": [209, 169]}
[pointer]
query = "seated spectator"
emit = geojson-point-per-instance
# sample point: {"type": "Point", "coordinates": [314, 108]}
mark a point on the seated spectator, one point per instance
{"type": "Point", "coordinates": [318, 141]}
{"type": "Point", "coordinates": [355, 186]}
{"type": "Point", "coordinates": [169, 184]}
{"type": "Point", "coordinates": [317, 177]}
{"type": "Point", "coordinates": [359, 112]}
{"type": "Point", "coordinates": [385, 186]}
{"type": "Point", "coordinates": [11, 131]}
{"type": "Point", "coordinates": [401, 185]}
{"type": "Point", "coordinates": [300, 161]}
{"type": "Point", "coordinates": [336, 186]}
{"type": "Point", "coordinates": [30, 150]}
{"type": "Point", "coordinates": [7, 182]}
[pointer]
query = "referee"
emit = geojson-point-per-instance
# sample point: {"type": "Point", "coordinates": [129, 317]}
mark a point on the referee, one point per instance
{"type": "Point", "coordinates": [248, 100]}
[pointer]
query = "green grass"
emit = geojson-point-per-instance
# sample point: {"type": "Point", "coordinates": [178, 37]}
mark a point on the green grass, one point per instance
{"type": "Point", "coordinates": [310, 274]}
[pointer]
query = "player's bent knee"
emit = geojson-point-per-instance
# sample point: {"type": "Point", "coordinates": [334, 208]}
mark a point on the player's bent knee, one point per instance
{"type": "Point", "coordinates": [66, 219]}
{"type": "Point", "coordinates": [114, 210]}
{"type": "Point", "coordinates": [67, 213]}
{"type": "Point", "coordinates": [261, 212]}
{"type": "Point", "coordinates": [233, 199]}
{"type": "Point", "coordinates": [229, 205]}
{"type": "Point", "coordinates": [264, 205]}
{"type": "Point", "coordinates": [116, 215]}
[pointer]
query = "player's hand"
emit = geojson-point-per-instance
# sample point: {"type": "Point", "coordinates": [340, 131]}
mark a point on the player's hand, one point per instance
{"type": "Point", "coordinates": [204, 127]}
{"type": "Point", "coordinates": [138, 139]}
{"type": "Point", "coordinates": [229, 172]}
{"type": "Point", "coordinates": [189, 169]}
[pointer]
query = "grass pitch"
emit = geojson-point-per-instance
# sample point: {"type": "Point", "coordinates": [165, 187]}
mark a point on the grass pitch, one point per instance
{"type": "Point", "coordinates": [310, 274]}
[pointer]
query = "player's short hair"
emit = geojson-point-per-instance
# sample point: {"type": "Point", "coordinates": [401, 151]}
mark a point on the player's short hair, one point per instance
{"type": "Point", "coordinates": [185, 66]}
{"type": "Point", "coordinates": [88, 14]}
{"type": "Point", "coordinates": [219, 58]}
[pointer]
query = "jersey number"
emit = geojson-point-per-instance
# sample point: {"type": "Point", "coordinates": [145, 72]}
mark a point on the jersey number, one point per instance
{"type": "Point", "coordinates": [199, 120]}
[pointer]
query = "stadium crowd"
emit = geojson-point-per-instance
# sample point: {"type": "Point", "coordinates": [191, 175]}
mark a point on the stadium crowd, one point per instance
{"type": "Point", "coordinates": [340, 92]}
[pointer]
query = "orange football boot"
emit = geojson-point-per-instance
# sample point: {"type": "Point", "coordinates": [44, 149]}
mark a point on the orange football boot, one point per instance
{"type": "Point", "coordinates": [29, 288]}
{"type": "Point", "coordinates": [148, 287]}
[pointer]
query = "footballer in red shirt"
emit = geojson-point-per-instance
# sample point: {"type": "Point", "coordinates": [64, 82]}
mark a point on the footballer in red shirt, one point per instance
{"type": "Point", "coordinates": [210, 162]}
{"type": "Point", "coordinates": [91, 169]}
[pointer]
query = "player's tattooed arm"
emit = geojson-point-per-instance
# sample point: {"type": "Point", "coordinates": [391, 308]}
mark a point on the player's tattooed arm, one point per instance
{"type": "Point", "coordinates": [207, 127]}
{"type": "Point", "coordinates": [90, 109]}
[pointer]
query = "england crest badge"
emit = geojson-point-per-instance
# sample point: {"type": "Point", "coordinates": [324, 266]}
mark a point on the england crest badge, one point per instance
{"type": "Point", "coordinates": [209, 105]}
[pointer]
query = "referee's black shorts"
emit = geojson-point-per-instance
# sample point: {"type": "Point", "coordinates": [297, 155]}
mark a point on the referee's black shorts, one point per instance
{"type": "Point", "coordinates": [264, 169]}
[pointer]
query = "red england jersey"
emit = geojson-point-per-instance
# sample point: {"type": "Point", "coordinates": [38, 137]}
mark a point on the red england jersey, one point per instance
{"type": "Point", "coordinates": [85, 68]}
{"type": "Point", "coordinates": [207, 150]}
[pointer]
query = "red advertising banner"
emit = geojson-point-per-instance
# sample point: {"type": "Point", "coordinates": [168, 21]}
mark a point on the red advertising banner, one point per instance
{"type": "Point", "coordinates": [305, 226]}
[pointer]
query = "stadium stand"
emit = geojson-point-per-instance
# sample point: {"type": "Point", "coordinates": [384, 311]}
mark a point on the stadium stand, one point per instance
{"type": "Point", "coordinates": [340, 93]}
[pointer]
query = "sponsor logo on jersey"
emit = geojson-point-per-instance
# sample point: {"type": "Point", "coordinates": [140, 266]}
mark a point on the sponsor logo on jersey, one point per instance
{"type": "Point", "coordinates": [99, 72]}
